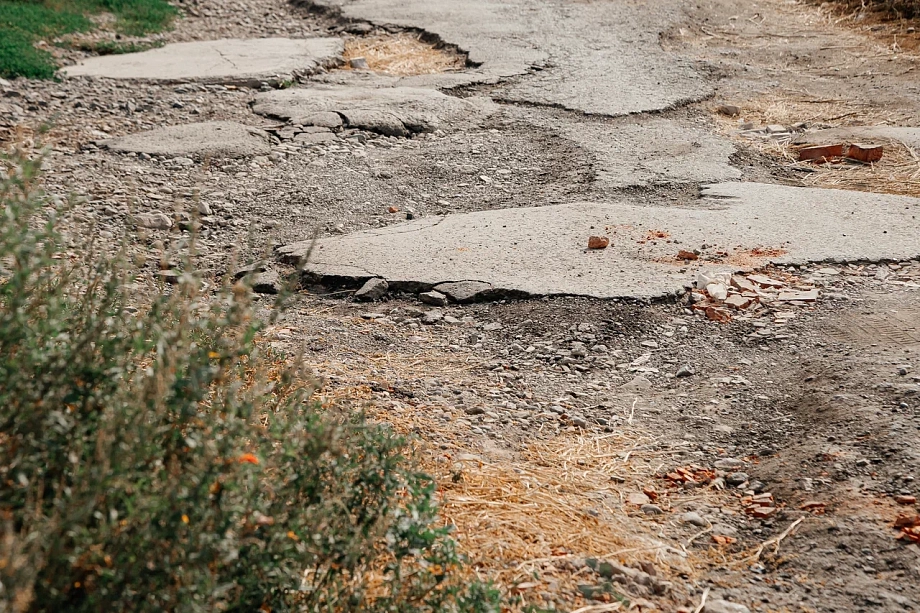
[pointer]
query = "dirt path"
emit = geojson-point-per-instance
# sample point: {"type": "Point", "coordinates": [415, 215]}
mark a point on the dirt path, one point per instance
{"type": "Point", "coordinates": [760, 463]}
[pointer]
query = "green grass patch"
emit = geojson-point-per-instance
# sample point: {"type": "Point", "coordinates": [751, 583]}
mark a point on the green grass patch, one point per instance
{"type": "Point", "coordinates": [24, 22]}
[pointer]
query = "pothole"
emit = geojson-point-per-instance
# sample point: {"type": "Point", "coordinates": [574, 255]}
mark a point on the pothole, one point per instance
{"type": "Point", "coordinates": [401, 54]}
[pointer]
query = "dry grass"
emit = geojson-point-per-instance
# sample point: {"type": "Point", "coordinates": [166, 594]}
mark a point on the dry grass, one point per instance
{"type": "Point", "coordinates": [403, 54]}
{"type": "Point", "coordinates": [528, 516]}
{"type": "Point", "coordinates": [898, 172]}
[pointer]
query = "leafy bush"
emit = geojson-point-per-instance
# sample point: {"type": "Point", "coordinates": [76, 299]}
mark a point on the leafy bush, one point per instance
{"type": "Point", "coordinates": [157, 458]}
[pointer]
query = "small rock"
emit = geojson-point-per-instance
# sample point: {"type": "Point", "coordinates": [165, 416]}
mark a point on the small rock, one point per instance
{"type": "Point", "coordinates": [358, 63]}
{"type": "Point", "coordinates": [204, 208]}
{"type": "Point", "coordinates": [492, 326]}
{"type": "Point", "coordinates": [578, 350]}
{"type": "Point", "coordinates": [651, 509]}
{"type": "Point", "coordinates": [905, 499]}
{"type": "Point", "coordinates": [685, 371]}
{"type": "Point", "coordinates": [598, 242]}
{"type": "Point", "coordinates": [639, 384]}
{"type": "Point", "coordinates": [724, 606]}
{"type": "Point", "coordinates": [433, 298]}
{"type": "Point", "coordinates": [474, 410]}
{"type": "Point", "coordinates": [737, 478]}
{"type": "Point", "coordinates": [154, 221]}
{"type": "Point", "coordinates": [776, 128]}
{"type": "Point", "coordinates": [724, 429]}
{"type": "Point", "coordinates": [579, 422]}
{"type": "Point", "coordinates": [729, 110]}
{"type": "Point", "coordinates": [465, 291]}
{"type": "Point", "coordinates": [637, 498]}
{"type": "Point", "coordinates": [728, 463]}
{"type": "Point", "coordinates": [268, 282]}
{"type": "Point", "coordinates": [432, 317]}
{"type": "Point", "coordinates": [692, 517]}
{"type": "Point", "coordinates": [373, 289]}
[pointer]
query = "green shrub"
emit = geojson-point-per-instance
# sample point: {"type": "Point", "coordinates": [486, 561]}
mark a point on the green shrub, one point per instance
{"type": "Point", "coordinates": [157, 458]}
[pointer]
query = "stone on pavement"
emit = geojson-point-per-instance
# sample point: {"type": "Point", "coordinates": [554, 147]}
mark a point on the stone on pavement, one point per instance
{"type": "Point", "coordinates": [540, 251]}
{"type": "Point", "coordinates": [234, 61]}
{"type": "Point", "coordinates": [393, 111]}
{"type": "Point", "coordinates": [217, 139]}
{"type": "Point", "coordinates": [465, 291]}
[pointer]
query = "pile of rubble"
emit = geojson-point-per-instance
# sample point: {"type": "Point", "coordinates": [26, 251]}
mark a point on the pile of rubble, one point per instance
{"type": "Point", "coordinates": [722, 295]}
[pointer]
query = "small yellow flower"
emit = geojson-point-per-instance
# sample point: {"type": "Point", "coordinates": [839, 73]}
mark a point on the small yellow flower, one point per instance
{"type": "Point", "coordinates": [184, 518]}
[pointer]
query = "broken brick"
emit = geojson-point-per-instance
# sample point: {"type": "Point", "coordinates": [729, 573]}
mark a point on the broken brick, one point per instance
{"type": "Point", "coordinates": [718, 314]}
{"type": "Point", "coordinates": [764, 281]}
{"type": "Point", "coordinates": [821, 153]}
{"type": "Point", "coordinates": [865, 153]}
{"type": "Point", "coordinates": [761, 512]}
{"type": "Point", "coordinates": [393, 209]}
{"type": "Point", "coordinates": [737, 301]}
{"type": "Point", "coordinates": [743, 284]}
{"type": "Point", "coordinates": [905, 499]}
{"type": "Point", "coordinates": [598, 242]}
{"type": "Point", "coordinates": [687, 255]}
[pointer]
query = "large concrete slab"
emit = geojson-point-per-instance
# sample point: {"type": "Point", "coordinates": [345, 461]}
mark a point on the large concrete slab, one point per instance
{"type": "Point", "coordinates": [394, 111]}
{"type": "Point", "coordinates": [227, 61]}
{"type": "Point", "coordinates": [596, 57]}
{"type": "Point", "coordinates": [542, 251]}
{"type": "Point", "coordinates": [217, 139]}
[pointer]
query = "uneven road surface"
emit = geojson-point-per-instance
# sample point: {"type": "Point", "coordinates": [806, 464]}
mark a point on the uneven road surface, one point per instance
{"type": "Point", "coordinates": [721, 396]}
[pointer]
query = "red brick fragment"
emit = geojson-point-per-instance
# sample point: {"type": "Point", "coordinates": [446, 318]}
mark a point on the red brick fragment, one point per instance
{"type": "Point", "coordinates": [821, 153]}
{"type": "Point", "coordinates": [598, 242]}
{"type": "Point", "coordinates": [865, 153]}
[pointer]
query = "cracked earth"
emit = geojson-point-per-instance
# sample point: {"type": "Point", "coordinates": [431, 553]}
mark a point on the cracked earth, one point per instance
{"type": "Point", "coordinates": [723, 402]}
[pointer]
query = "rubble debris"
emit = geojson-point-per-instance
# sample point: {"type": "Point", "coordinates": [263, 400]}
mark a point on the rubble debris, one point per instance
{"type": "Point", "coordinates": [821, 153]}
{"type": "Point", "coordinates": [910, 527]}
{"type": "Point", "coordinates": [598, 242]}
{"type": "Point", "coordinates": [761, 506]}
{"type": "Point", "coordinates": [687, 255]}
{"type": "Point", "coordinates": [865, 153]}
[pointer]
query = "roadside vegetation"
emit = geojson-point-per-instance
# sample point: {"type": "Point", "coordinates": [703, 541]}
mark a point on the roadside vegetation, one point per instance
{"type": "Point", "coordinates": [158, 457]}
{"type": "Point", "coordinates": [23, 23]}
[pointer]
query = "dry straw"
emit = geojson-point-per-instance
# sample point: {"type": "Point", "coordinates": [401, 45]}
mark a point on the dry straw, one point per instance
{"type": "Point", "coordinates": [403, 54]}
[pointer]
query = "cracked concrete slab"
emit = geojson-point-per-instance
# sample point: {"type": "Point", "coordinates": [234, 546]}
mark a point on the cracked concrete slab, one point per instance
{"type": "Point", "coordinates": [588, 56]}
{"type": "Point", "coordinates": [219, 139]}
{"type": "Point", "coordinates": [908, 136]}
{"type": "Point", "coordinates": [247, 62]}
{"type": "Point", "coordinates": [542, 251]}
{"type": "Point", "coordinates": [394, 111]}
{"type": "Point", "coordinates": [654, 152]}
